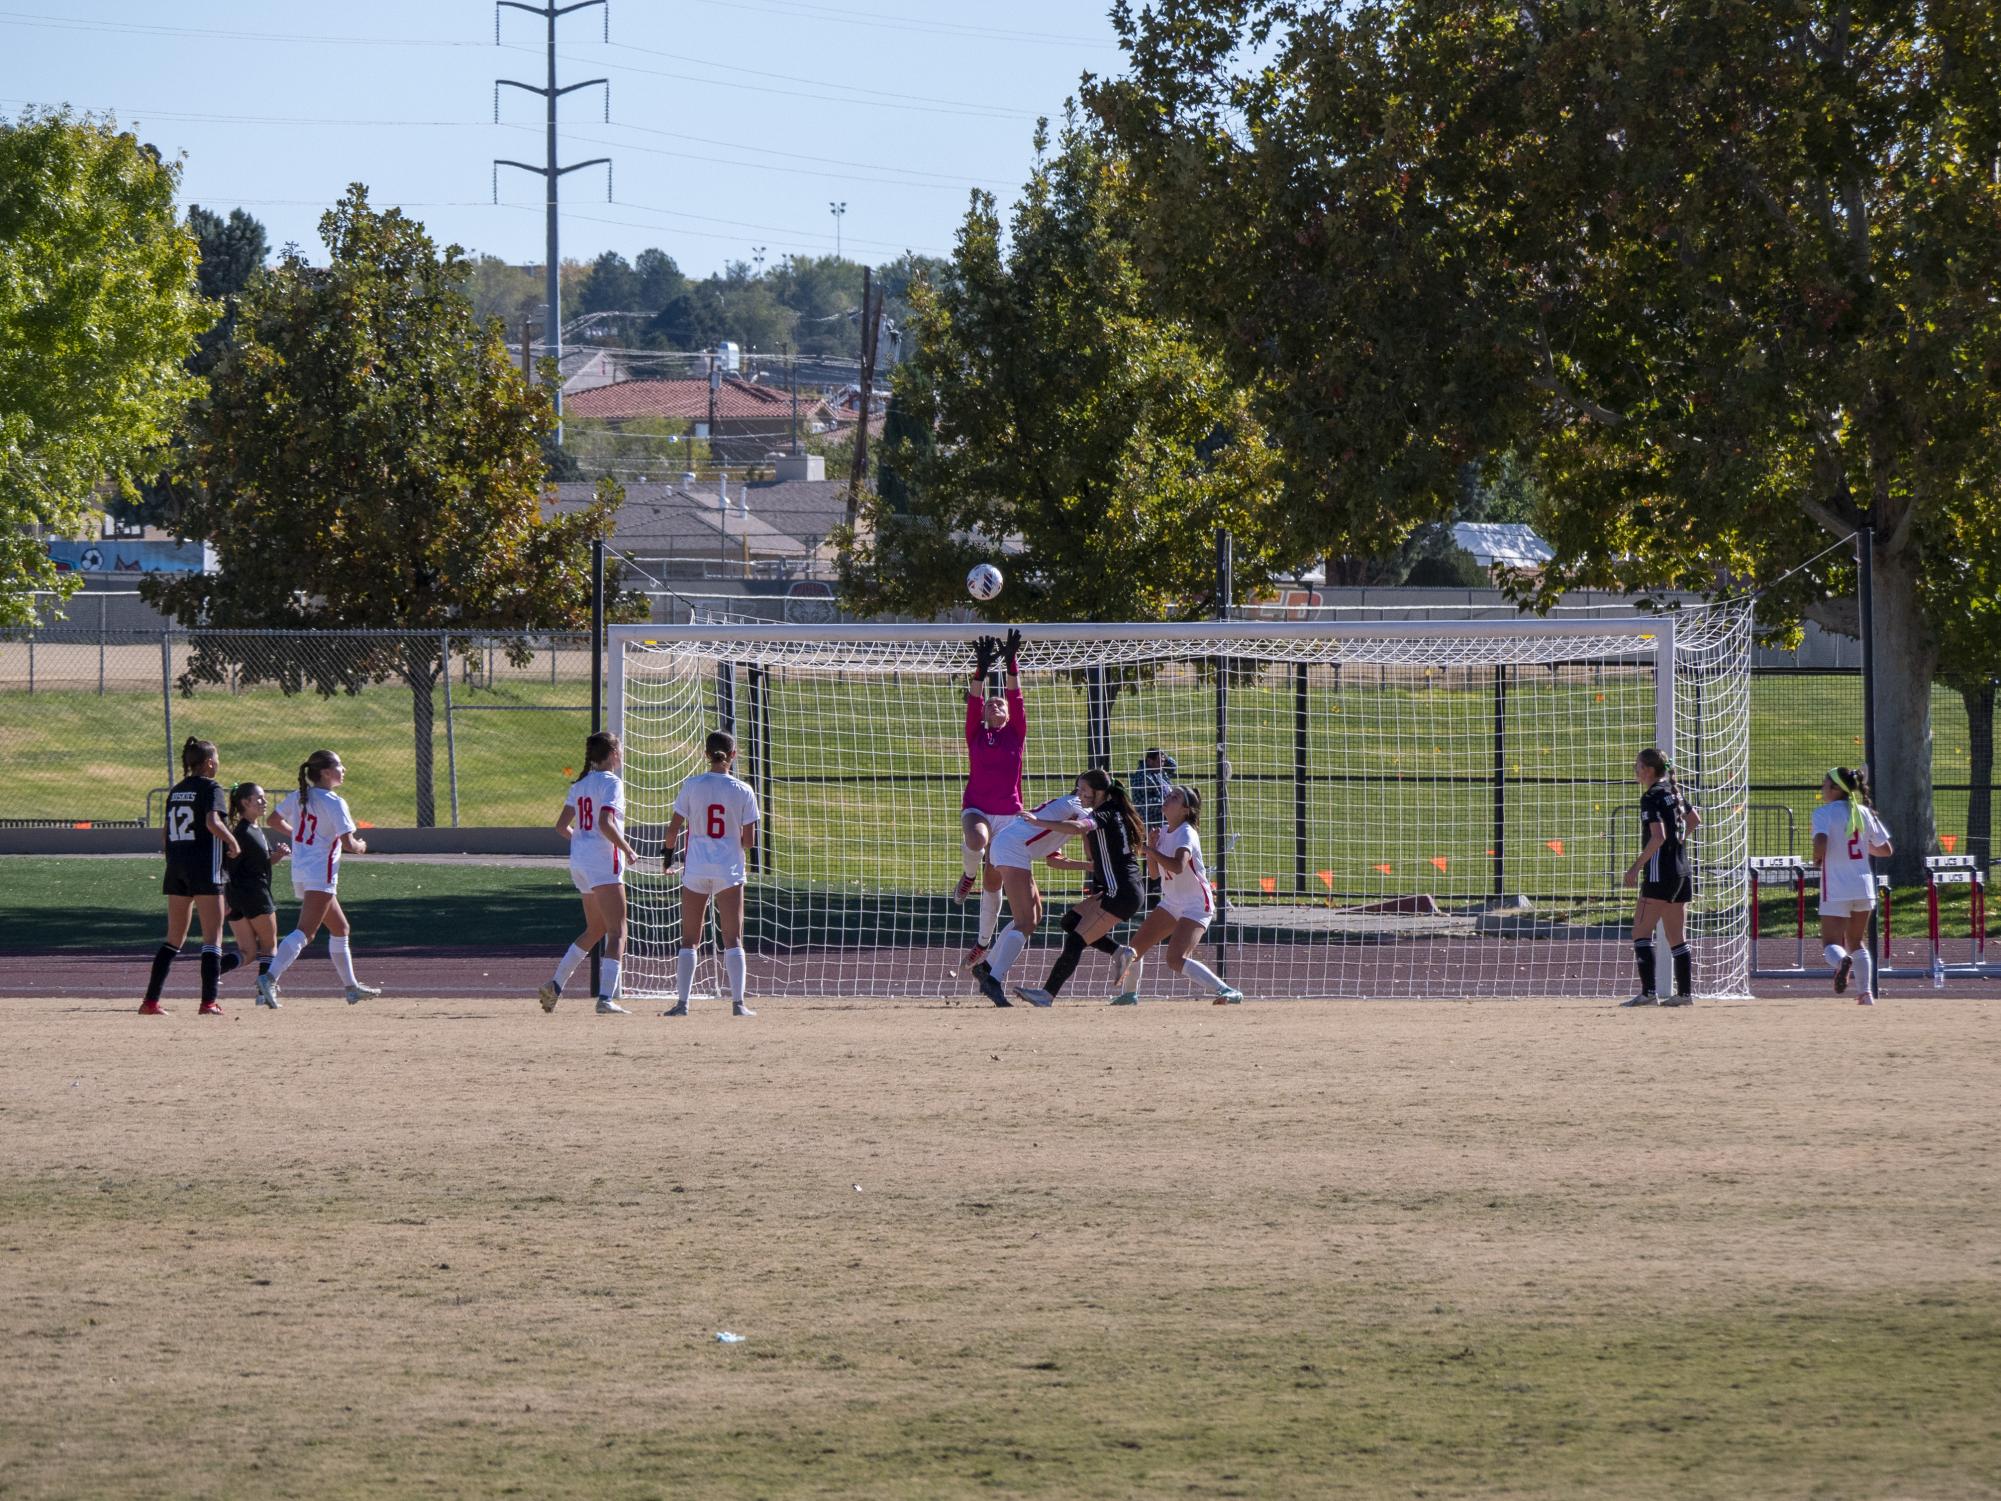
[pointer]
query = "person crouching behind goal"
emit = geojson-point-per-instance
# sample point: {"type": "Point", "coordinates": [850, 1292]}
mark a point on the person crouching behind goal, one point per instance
{"type": "Point", "coordinates": [1187, 902]}
{"type": "Point", "coordinates": [194, 839]}
{"type": "Point", "coordinates": [719, 814]}
{"type": "Point", "coordinates": [1846, 832]}
{"type": "Point", "coordinates": [592, 814]}
{"type": "Point", "coordinates": [1664, 876]}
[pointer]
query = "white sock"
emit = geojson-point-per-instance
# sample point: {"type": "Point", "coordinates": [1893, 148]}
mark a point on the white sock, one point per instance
{"type": "Point", "coordinates": [343, 961]}
{"type": "Point", "coordinates": [294, 945]}
{"type": "Point", "coordinates": [567, 965]}
{"type": "Point", "coordinates": [608, 979]}
{"type": "Point", "coordinates": [989, 916]}
{"type": "Point", "coordinates": [1834, 953]}
{"type": "Point", "coordinates": [1865, 970]}
{"type": "Point", "coordinates": [1201, 974]}
{"type": "Point", "coordinates": [733, 966]}
{"type": "Point", "coordinates": [1007, 949]}
{"type": "Point", "coordinates": [1132, 975]}
{"type": "Point", "coordinates": [972, 858]}
{"type": "Point", "coordinates": [684, 973]}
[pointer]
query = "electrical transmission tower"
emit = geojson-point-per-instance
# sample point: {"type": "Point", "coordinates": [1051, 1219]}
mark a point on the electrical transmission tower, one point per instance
{"type": "Point", "coordinates": [550, 173]}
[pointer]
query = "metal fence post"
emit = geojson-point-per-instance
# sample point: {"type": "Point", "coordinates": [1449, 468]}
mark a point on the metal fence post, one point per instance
{"type": "Point", "coordinates": [167, 698]}
{"type": "Point", "coordinates": [451, 745]}
{"type": "Point", "coordinates": [103, 600]}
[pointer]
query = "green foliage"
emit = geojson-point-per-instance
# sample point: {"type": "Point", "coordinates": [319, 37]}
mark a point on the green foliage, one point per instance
{"type": "Point", "coordinates": [99, 310]}
{"type": "Point", "coordinates": [1724, 277]}
{"type": "Point", "coordinates": [370, 456]}
{"type": "Point", "coordinates": [1071, 422]}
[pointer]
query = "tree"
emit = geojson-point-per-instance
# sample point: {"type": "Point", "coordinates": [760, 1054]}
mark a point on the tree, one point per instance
{"type": "Point", "coordinates": [99, 311]}
{"type": "Point", "coordinates": [232, 252]}
{"type": "Point", "coordinates": [369, 456]}
{"type": "Point", "coordinates": [1099, 443]}
{"type": "Point", "coordinates": [659, 280]}
{"type": "Point", "coordinates": [1724, 275]}
{"type": "Point", "coordinates": [610, 286]}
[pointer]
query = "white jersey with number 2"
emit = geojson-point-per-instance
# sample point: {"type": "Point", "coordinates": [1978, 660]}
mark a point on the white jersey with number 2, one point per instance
{"type": "Point", "coordinates": [1846, 875]}
{"type": "Point", "coordinates": [717, 809]}
{"type": "Point", "coordinates": [1186, 893]}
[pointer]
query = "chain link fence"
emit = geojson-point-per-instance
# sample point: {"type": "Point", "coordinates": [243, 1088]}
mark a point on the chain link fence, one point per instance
{"type": "Point", "coordinates": [91, 722]}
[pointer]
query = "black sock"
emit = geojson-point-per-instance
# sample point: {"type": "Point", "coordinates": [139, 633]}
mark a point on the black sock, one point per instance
{"type": "Point", "coordinates": [1684, 970]}
{"type": "Point", "coordinates": [264, 965]}
{"type": "Point", "coordinates": [230, 961]}
{"type": "Point", "coordinates": [1107, 945]}
{"type": "Point", "coordinates": [211, 971]}
{"type": "Point", "coordinates": [1643, 956]}
{"type": "Point", "coordinates": [1066, 963]}
{"type": "Point", "coordinates": [163, 961]}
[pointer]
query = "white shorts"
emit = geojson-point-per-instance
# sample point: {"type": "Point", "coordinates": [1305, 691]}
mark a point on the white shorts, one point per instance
{"type": "Point", "coordinates": [708, 881]}
{"type": "Point", "coordinates": [1846, 906]}
{"type": "Point", "coordinates": [995, 821]}
{"type": "Point", "coordinates": [1202, 912]}
{"type": "Point", "coordinates": [314, 877]}
{"type": "Point", "coordinates": [591, 868]}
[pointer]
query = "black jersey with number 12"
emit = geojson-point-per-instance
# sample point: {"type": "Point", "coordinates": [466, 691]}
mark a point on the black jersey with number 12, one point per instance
{"type": "Point", "coordinates": [192, 848]}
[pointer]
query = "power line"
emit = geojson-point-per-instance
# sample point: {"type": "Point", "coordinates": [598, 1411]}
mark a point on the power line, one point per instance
{"type": "Point", "coordinates": [900, 97]}
{"type": "Point", "coordinates": [978, 112]}
{"type": "Point", "coordinates": [805, 9]}
{"type": "Point", "coordinates": [147, 28]}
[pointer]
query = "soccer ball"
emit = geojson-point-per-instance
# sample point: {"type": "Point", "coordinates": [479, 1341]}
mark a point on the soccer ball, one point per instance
{"type": "Point", "coordinates": [984, 582]}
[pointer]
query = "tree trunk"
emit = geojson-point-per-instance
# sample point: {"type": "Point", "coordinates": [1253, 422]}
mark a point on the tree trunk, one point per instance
{"type": "Point", "coordinates": [420, 671]}
{"type": "Point", "coordinates": [1979, 700]}
{"type": "Point", "coordinates": [1906, 658]}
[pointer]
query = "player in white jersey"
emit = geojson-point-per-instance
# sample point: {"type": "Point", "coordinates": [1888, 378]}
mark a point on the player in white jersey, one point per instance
{"type": "Point", "coordinates": [1187, 902]}
{"type": "Point", "coordinates": [719, 814]}
{"type": "Point", "coordinates": [593, 820]}
{"type": "Point", "coordinates": [1846, 832]}
{"type": "Point", "coordinates": [1035, 835]}
{"type": "Point", "coordinates": [317, 821]}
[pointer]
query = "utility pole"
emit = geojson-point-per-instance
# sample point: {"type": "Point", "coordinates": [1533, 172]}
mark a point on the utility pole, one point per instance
{"type": "Point", "coordinates": [871, 319]}
{"type": "Point", "coordinates": [550, 173]}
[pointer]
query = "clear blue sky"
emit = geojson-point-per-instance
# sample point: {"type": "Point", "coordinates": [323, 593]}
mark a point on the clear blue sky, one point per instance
{"type": "Point", "coordinates": [736, 121]}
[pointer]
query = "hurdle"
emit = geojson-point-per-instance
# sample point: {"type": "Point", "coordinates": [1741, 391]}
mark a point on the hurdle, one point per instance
{"type": "Point", "coordinates": [1945, 870]}
{"type": "Point", "coordinates": [1782, 870]}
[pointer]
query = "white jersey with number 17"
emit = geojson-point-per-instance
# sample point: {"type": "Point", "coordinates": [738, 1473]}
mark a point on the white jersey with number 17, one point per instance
{"type": "Point", "coordinates": [717, 808]}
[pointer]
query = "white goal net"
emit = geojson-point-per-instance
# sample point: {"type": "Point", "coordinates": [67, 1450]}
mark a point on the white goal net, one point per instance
{"type": "Point", "coordinates": [1390, 809]}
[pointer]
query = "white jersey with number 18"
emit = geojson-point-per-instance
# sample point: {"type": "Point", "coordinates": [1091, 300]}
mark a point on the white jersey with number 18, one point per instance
{"type": "Point", "coordinates": [717, 807]}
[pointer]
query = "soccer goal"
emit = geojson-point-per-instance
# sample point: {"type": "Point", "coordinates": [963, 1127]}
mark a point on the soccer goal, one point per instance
{"type": "Point", "coordinates": [1390, 808]}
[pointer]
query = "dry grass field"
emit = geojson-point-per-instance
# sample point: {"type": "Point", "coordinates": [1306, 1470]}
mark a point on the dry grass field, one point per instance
{"type": "Point", "coordinates": [450, 1249]}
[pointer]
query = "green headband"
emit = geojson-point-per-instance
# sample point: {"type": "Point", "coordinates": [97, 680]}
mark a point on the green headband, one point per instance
{"type": "Point", "coordinates": [1854, 808]}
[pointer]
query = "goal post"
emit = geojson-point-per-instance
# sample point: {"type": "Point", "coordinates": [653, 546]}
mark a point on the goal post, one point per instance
{"type": "Point", "coordinates": [1391, 808]}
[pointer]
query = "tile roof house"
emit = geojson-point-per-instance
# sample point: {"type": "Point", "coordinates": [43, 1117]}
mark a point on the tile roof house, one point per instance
{"type": "Point", "coordinates": [752, 420]}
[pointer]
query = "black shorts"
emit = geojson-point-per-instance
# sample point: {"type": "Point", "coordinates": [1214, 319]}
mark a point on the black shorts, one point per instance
{"type": "Point", "coordinates": [249, 903]}
{"type": "Point", "coordinates": [1126, 904]}
{"type": "Point", "coordinates": [183, 882]}
{"type": "Point", "coordinates": [1672, 888]}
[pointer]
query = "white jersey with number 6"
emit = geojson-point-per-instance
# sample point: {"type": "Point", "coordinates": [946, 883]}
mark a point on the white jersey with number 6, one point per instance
{"type": "Point", "coordinates": [717, 809]}
{"type": "Point", "coordinates": [1846, 875]}
{"type": "Point", "coordinates": [1186, 894]}
{"type": "Point", "coordinates": [594, 859]}
{"type": "Point", "coordinates": [316, 829]}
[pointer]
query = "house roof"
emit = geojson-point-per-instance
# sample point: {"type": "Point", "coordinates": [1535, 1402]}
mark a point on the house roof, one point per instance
{"type": "Point", "coordinates": [666, 521]}
{"type": "Point", "coordinates": [1508, 543]}
{"type": "Point", "coordinates": [688, 400]}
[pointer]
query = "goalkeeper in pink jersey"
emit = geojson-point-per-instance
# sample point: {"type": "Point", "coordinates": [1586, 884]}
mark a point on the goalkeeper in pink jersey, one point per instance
{"type": "Point", "coordinates": [996, 740]}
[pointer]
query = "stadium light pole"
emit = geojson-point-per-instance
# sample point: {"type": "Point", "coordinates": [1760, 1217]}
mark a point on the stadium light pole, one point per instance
{"type": "Point", "coordinates": [838, 210]}
{"type": "Point", "coordinates": [1865, 590]}
{"type": "Point", "coordinates": [551, 173]}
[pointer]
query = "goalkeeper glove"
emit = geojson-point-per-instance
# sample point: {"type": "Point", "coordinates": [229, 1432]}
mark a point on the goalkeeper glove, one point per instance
{"type": "Point", "coordinates": [985, 650]}
{"type": "Point", "coordinates": [1013, 652]}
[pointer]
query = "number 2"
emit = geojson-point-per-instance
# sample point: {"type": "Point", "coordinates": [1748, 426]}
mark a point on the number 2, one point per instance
{"type": "Point", "coordinates": [718, 827]}
{"type": "Point", "coordinates": [1855, 846]}
{"type": "Point", "coordinates": [584, 814]}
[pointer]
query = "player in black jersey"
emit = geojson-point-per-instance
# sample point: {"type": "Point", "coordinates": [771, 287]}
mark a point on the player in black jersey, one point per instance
{"type": "Point", "coordinates": [253, 916]}
{"type": "Point", "coordinates": [1113, 892]}
{"type": "Point", "coordinates": [195, 840]}
{"type": "Point", "coordinates": [1664, 874]}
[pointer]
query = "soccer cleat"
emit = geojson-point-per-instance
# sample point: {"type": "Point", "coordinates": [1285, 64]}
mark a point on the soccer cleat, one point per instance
{"type": "Point", "coordinates": [549, 994]}
{"type": "Point", "coordinates": [1644, 998]}
{"type": "Point", "coordinates": [972, 960]}
{"type": "Point", "coordinates": [209, 1008]}
{"type": "Point", "coordinates": [1125, 998]}
{"type": "Point", "coordinates": [1865, 999]}
{"type": "Point", "coordinates": [1124, 961]}
{"type": "Point", "coordinates": [963, 890]}
{"type": "Point", "coordinates": [153, 1008]}
{"type": "Point", "coordinates": [679, 1008]}
{"type": "Point", "coordinates": [989, 986]}
{"type": "Point", "coordinates": [1229, 995]}
{"type": "Point", "coordinates": [1677, 1000]}
{"type": "Point", "coordinates": [267, 991]}
{"type": "Point", "coordinates": [1035, 995]}
{"type": "Point", "coordinates": [737, 1008]}
{"type": "Point", "coordinates": [608, 1007]}
{"type": "Point", "coordinates": [1841, 975]}
{"type": "Point", "coordinates": [357, 993]}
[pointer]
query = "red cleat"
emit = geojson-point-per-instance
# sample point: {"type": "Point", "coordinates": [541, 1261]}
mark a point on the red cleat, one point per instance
{"type": "Point", "coordinates": [209, 1008]}
{"type": "Point", "coordinates": [973, 956]}
{"type": "Point", "coordinates": [963, 889]}
{"type": "Point", "coordinates": [152, 1008]}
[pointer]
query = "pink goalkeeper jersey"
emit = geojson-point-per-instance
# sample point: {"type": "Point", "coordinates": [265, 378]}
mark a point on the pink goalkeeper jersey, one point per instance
{"type": "Point", "coordinates": [994, 757]}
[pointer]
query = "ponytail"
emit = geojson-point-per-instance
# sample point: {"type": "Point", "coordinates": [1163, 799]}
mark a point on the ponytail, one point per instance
{"type": "Point", "coordinates": [196, 753]}
{"type": "Point", "coordinates": [305, 785]}
{"type": "Point", "coordinates": [598, 749]}
{"type": "Point", "coordinates": [318, 762]}
{"type": "Point", "coordinates": [1853, 784]}
{"type": "Point", "coordinates": [1118, 800]}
